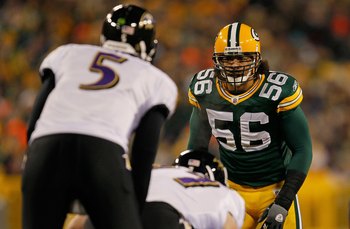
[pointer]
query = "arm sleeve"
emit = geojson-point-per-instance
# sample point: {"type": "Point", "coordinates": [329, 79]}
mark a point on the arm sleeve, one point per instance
{"type": "Point", "coordinates": [200, 130]}
{"type": "Point", "coordinates": [144, 150]}
{"type": "Point", "coordinates": [48, 83]}
{"type": "Point", "coordinates": [298, 139]}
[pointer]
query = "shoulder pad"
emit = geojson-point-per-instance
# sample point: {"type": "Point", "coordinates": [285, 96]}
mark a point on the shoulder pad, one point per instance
{"type": "Point", "coordinates": [282, 88]}
{"type": "Point", "coordinates": [201, 84]}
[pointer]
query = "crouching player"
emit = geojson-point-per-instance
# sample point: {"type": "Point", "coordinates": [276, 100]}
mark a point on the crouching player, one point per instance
{"type": "Point", "coordinates": [190, 194]}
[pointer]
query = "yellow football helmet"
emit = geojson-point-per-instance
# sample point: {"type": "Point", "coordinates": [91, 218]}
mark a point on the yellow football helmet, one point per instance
{"type": "Point", "coordinates": [237, 54]}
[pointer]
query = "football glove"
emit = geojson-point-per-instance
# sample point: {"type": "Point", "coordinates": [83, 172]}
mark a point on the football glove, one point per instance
{"type": "Point", "coordinates": [274, 216]}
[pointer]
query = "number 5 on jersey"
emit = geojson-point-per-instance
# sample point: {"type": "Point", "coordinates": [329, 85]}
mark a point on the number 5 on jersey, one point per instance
{"type": "Point", "coordinates": [109, 78]}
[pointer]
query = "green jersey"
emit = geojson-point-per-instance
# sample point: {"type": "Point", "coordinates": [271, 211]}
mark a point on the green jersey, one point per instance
{"type": "Point", "coordinates": [250, 129]}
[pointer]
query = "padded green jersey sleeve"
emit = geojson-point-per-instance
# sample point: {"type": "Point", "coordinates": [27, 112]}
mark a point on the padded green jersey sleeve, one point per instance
{"type": "Point", "coordinates": [298, 139]}
{"type": "Point", "coordinates": [200, 130]}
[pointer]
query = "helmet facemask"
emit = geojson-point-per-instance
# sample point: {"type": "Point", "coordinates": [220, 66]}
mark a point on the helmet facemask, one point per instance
{"type": "Point", "coordinates": [143, 51]}
{"type": "Point", "coordinates": [237, 69]}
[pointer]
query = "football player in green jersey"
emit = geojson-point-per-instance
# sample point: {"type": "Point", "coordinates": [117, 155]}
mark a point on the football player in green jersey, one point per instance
{"type": "Point", "coordinates": [261, 130]}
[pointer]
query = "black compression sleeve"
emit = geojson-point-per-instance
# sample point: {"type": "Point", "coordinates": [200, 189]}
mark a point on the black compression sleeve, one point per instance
{"type": "Point", "coordinates": [144, 150]}
{"type": "Point", "coordinates": [48, 83]}
{"type": "Point", "coordinates": [294, 180]}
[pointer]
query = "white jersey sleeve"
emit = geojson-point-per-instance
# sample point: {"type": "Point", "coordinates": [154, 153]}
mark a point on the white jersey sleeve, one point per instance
{"type": "Point", "coordinates": [101, 92]}
{"type": "Point", "coordinates": [202, 202]}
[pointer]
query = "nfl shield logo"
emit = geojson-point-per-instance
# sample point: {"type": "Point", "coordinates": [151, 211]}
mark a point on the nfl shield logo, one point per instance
{"type": "Point", "coordinates": [235, 100]}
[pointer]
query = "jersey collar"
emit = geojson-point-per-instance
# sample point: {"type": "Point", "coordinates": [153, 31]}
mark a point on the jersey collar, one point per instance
{"type": "Point", "coordinates": [236, 99]}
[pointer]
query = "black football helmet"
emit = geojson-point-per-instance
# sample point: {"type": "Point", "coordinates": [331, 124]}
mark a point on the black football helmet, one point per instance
{"type": "Point", "coordinates": [203, 162]}
{"type": "Point", "coordinates": [130, 29]}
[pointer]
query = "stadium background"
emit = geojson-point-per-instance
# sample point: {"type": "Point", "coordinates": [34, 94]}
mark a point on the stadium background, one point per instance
{"type": "Point", "coordinates": [308, 39]}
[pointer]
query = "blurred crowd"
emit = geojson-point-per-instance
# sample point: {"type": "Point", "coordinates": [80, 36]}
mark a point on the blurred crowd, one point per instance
{"type": "Point", "coordinates": [307, 39]}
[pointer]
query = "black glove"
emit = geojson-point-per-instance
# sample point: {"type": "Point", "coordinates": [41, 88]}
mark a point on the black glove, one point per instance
{"type": "Point", "coordinates": [275, 216]}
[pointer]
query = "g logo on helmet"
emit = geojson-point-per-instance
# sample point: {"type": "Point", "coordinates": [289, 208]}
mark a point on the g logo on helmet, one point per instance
{"type": "Point", "coordinates": [255, 35]}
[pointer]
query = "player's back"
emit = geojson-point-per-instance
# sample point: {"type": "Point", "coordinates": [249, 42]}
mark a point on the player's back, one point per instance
{"type": "Point", "coordinates": [203, 202]}
{"type": "Point", "coordinates": [101, 92]}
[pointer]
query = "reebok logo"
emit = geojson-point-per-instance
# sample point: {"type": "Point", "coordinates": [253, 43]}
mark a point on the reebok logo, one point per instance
{"type": "Point", "coordinates": [279, 218]}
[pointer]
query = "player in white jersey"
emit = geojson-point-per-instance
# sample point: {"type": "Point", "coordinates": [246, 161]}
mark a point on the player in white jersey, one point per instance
{"type": "Point", "coordinates": [93, 99]}
{"type": "Point", "coordinates": [178, 194]}
{"type": "Point", "coordinates": [191, 194]}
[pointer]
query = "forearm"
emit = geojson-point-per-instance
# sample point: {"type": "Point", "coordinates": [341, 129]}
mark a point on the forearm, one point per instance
{"type": "Point", "coordinates": [230, 222]}
{"type": "Point", "coordinates": [47, 86]}
{"type": "Point", "coordinates": [299, 141]}
{"type": "Point", "coordinates": [144, 151]}
{"type": "Point", "coordinates": [79, 222]}
{"type": "Point", "coordinates": [293, 182]}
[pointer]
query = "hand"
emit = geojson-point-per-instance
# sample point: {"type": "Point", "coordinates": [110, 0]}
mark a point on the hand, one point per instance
{"type": "Point", "coordinates": [275, 216]}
